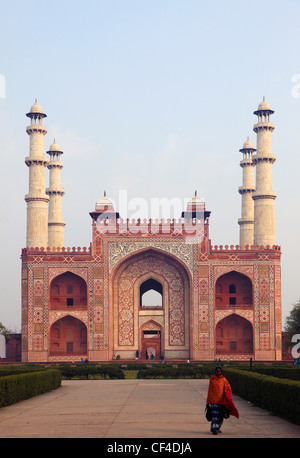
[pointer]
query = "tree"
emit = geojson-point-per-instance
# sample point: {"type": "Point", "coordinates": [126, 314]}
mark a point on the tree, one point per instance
{"type": "Point", "coordinates": [292, 323]}
{"type": "Point", "coordinates": [4, 331]}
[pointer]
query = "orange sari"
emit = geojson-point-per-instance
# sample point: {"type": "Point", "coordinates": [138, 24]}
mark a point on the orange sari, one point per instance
{"type": "Point", "coordinates": [219, 392]}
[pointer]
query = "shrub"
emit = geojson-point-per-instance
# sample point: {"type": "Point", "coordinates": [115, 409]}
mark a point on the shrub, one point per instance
{"type": "Point", "coordinates": [281, 396]}
{"type": "Point", "coordinates": [20, 369]}
{"type": "Point", "coordinates": [15, 388]}
{"type": "Point", "coordinates": [84, 371]}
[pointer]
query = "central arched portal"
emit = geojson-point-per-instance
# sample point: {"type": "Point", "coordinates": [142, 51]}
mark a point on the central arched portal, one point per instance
{"type": "Point", "coordinates": [151, 297]}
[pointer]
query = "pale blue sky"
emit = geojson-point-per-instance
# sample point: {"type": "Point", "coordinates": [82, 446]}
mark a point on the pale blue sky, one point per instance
{"type": "Point", "coordinates": [155, 98]}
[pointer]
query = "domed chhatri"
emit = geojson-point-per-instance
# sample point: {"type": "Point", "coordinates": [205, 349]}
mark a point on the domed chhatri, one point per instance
{"type": "Point", "coordinates": [36, 111]}
{"type": "Point", "coordinates": [104, 204]}
{"type": "Point", "coordinates": [247, 145]}
{"type": "Point", "coordinates": [263, 108]}
{"type": "Point", "coordinates": [55, 147]}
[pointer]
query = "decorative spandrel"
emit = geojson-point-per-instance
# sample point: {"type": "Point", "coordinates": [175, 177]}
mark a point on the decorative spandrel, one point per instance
{"type": "Point", "coordinates": [118, 250]}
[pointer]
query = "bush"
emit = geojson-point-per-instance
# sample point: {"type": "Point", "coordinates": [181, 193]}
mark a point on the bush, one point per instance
{"type": "Point", "coordinates": [84, 371]}
{"type": "Point", "coordinates": [20, 369]}
{"type": "Point", "coordinates": [181, 371]}
{"type": "Point", "coordinates": [280, 396]}
{"type": "Point", "coordinates": [15, 388]}
{"type": "Point", "coordinates": [291, 372]}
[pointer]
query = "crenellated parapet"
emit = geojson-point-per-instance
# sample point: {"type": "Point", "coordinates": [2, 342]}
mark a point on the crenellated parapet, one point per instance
{"type": "Point", "coordinates": [48, 250]}
{"type": "Point", "coordinates": [151, 227]}
{"type": "Point", "coordinates": [65, 255]}
{"type": "Point", "coordinates": [253, 248]}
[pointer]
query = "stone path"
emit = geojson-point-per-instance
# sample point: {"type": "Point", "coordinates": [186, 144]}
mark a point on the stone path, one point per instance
{"type": "Point", "coordinates": [134, 409]}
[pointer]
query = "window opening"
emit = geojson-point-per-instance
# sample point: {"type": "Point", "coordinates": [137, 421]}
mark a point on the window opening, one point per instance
{"type": "Point", "coordinates": [232, 289]}
{"type": "Point", "coordinates": [151, 294]}
{"type": "Point", "coordinates": [69, 347]}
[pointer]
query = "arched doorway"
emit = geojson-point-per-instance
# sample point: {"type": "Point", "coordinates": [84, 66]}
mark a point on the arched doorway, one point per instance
{"type": "Point", "coordinates": [68, 336]}
{"type": "Point", "coordinates": [234, 335]}
{"type": "Point", "coordinates": [151, 341]}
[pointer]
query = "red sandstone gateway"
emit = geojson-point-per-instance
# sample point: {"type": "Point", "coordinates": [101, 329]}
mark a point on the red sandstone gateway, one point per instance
{"type": "Point", "coordinates": [148, 289]}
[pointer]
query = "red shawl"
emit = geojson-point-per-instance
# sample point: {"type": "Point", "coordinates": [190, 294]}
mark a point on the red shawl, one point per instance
{"type": "Point", "coordinates": [219, 392]}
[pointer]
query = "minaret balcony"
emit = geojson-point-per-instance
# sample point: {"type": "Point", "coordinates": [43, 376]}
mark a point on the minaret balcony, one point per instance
{"type": "Point", "coordinates": [242, 221]}
{"type": "Point", "coordinates": [34, 197]}
{"type": "Point", "coordinates": [55, 164]}
{"type": "Point", "coordinates": [36, 129]}
{"type": "Point", "coordinates": [56, 223]}
{"type": "Point", "coordinates": [246, 189]}
{"type": "Point", "coordinates": [246, 162]}
{"type": "Point", "coordinates": [55, 191]}
{"type": "Point", "coordinates": [265, 125]}
{"type": "Point", "coordinates": [36, 160]}
{"type": "Point", "coordinates": [264, 157]}
{"type": "Point", "coordinates": [264, 195]}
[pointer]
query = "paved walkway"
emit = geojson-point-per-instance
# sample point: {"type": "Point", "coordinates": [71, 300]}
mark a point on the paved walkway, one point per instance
{"type": "Point", "coordinates": [133, 409]}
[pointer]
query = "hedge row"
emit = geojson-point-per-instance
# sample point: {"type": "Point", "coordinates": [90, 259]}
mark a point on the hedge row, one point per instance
{"type": "Point", "coordinates": [280, 396]}
{"type": "Point", "coordinates": [22, 369]}
{"type": "Point", "coordinates": [15, 388]}
{"type": "Point", "coordinates": [291, 372]}
{"type": "Point", "coordinates": [118, 371]}
{"type": "Point", "coordinates": [182, 371]}
{"type": "Point", "coordinates": [86, 370]}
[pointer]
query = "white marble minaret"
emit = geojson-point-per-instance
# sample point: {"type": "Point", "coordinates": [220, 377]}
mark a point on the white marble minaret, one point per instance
{"type": "Point", "coordinates": [36, 199]}
{"type": "Point", "coordinates": [264, 196]}
{"type": "Point", "coordinates": [246, 222]}
{"type": "Point", "coordinates": [56, 224]}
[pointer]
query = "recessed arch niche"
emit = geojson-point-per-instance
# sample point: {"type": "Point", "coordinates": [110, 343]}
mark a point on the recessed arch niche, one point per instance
{"type": "Point", "coordinates": [68, 291]}
{"type": "Point", "coordinates": [68, 336]}
{"type": "Point", "coordinates": [151, 269]}
{"type": "Point", "coordinates": [232, 290]}
{"type": "Point", "coordinates": [234, 335]}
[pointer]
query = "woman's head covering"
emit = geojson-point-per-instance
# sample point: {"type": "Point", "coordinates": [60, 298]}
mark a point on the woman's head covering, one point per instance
{"type": "Point", "coordinates": [218, 368]}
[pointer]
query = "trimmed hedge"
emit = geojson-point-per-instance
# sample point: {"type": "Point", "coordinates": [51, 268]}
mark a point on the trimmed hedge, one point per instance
{"type": "Point", "coordinates": [15, 388]}
{"type": "Point", "coordinates": [83, 371]}
{"type": "Point", "coordinates": [20, 369]}
{"type": "Point", "coordinates": [136, 370]}
{"type": "Point", "coordinates": [291, 373]}
{"type": "Point", "coordinates": [280, 396]}
{"type": "Point", "coordinates": [182, 371]}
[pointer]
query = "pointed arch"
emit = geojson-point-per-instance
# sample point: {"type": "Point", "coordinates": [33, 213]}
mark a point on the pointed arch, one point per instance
{"type": "Point", "coordinates": [233, 290]}
{"type": "Point", "coordinates": [68, 336]}
{"type": "Point", "coordinates": [156, 267]}
{"type": "Point", "coordinates": [68, 291]}
{"type": "Point", "coordinates": [234, 335]}
{"type": "Point", "coordinates": [151, 335]}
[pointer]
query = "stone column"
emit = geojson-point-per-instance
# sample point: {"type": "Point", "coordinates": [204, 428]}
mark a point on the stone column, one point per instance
{"type": "Point", "coordinates": [36, 199]}
{"type": "Point", "coordinates": [55, 192]}
{"type": "Point", "coordinates": [264, 197]}
{"type": "Point", "coordinates": [246, 222]}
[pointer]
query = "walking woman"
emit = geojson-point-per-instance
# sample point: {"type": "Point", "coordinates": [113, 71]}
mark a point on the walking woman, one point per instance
{"type": "Point", "coordinates": [219, 398]}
